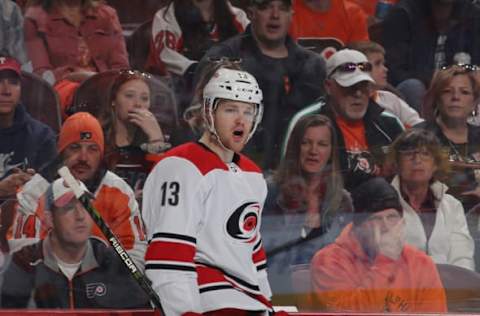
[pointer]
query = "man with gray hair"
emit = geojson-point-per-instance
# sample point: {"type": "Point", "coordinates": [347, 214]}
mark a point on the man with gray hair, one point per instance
{"type": "Point", "coordinates": [364, 129]}
{"type": "Point", "coordinates": [369, 268]}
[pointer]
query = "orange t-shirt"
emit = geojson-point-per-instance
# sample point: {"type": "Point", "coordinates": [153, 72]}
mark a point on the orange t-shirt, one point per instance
{"type": "Point", "coordinates": [353, 134]}
{"type": "Point", "coordinates": [368, 6]}
{"type": "Point", "coordinates": [345, 21]}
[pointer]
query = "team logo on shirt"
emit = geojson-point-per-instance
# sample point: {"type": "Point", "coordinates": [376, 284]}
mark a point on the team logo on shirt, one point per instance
{"type": "Point", "coordinates": [242, 224]}
{"type": "Point", "coordinates": [95, 289]}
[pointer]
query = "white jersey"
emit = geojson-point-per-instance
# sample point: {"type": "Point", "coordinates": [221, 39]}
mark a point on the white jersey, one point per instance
{"type": "Point", "coordinates": [202, 218]}
{"type": "Point", "coordinates": [395, 105]}
{"type": "Point", "coordinates": [168, 38]}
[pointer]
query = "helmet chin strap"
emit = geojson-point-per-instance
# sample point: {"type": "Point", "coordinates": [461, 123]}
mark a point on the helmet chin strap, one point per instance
{"type": "Point", "coordinates": [211, 124]}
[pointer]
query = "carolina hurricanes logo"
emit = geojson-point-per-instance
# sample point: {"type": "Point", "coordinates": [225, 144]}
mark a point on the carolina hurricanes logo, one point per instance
{"type": "Point", "coordinates": [242, 224]}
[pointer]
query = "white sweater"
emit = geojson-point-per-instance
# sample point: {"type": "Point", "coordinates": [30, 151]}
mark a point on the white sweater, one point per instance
{"type": "Point", "coordinates": [395, 105]}
{"type": "Point", "coordinates": [450, 241]}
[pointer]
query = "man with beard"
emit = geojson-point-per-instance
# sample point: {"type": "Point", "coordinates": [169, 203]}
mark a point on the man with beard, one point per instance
{"type": "Point", "coordinates": [81, 148]}
{"type": "Point", "coordinates": [370, 268]}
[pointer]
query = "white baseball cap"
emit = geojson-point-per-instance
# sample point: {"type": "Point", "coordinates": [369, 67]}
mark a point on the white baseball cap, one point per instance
{"type": "Point", "coordinates": [355, 67]}
{"type": "Point", "coordinates": [59, 194]}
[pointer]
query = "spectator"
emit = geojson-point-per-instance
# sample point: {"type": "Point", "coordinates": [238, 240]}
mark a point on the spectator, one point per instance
{"type": "Point", "coordinates": [70, 39]}
{"type": "Point", "coordinates": [26, 144]}
{"type": "Point", "coordinates": [384, 94]}
{"type": "Point", "coordinates": [68, 269]}
{"type": "Point", "coordinates": [11, 31]}
{"type": "Point", "coordinates": [421, 36]}
{"type": "Point", "coordinates": [306, 206]}
{"type": "Point", "coordinates": [337, 22]}
{"type": "Point", "coordinates": [364, 129]}
{"type": "Point", "coordinates": [184, 30]}
{"type": "Point", "coordinates": [133, 132]}
{"type": "Point", "coordinates": [290, 75]}
{"type": "Point", "coordinates": [212, 261]}
{"type": "Point", "coordinates": [452, 98]}
{"type": "Point", "coordinates": [435, 221]}
{"type": "Point", "coordinates": [81, 149]}
{"type": "Point", "coordinates": [370, 268]}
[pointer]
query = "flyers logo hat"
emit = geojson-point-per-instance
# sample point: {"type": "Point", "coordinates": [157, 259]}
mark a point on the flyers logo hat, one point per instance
{"type": "Point", "coordinates": [242, 224]}
{"type": "Point", "coordinates": [81, 126]}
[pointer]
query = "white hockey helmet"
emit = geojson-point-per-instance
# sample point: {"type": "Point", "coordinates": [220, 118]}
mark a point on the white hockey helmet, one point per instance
{"type": "Point", "coordinates": [236, 85]}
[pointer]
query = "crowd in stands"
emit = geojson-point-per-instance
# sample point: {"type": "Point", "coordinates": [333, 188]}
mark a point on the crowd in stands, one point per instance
{"type": "Point", "coordinates": [360, 121]}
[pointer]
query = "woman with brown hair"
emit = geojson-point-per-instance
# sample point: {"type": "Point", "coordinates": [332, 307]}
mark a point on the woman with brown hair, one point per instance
{"type": "Point", "coordinates": [434, 220]}
{"type": "Point", "coordinates": [450, 102]}
{"type": "Point", "coordinates": [306, 206]}
{"type": "Point", "coordinates": [133, 134]}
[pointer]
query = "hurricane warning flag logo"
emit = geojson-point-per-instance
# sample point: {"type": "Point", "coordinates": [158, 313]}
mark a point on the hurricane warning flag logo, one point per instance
{"type": "Point", "coordinates": [96, 289]}
{"type": "Point", "coordinates": [242, 224]}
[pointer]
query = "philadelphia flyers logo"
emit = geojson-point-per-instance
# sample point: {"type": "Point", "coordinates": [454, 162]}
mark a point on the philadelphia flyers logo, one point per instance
{"type": "Point", "coordinates": [242, 224]}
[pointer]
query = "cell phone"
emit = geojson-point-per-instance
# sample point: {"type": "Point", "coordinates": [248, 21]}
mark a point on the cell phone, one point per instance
{"type": "Point", "coordinates": [24, 165]}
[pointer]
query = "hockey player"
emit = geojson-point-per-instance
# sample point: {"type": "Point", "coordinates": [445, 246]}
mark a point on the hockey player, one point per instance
{"type": "Point", "coordinates": [202, 205]}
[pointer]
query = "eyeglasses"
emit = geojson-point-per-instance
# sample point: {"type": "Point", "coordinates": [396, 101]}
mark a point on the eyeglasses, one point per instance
{"type": "Point", "coordinates": [135, 73]}
{"type": "Point", "coordinates": [464, 67]}
{"type": "Point", "coordinates": [224, 59]}
{"type": "Point", "coordinates": [423, 154]}
{"type": "Point", "coordinates": [351, 67]}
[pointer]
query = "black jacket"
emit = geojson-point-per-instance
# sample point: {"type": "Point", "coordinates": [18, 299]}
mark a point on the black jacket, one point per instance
{"type": "Point", "coordinates": [288, 85]}
{"type": "Point", "coordinates": [102, 280]}
{"type": "Point", "coordinates": [27, 143]}
{"type": "Point", "coordinates": [410, 38]}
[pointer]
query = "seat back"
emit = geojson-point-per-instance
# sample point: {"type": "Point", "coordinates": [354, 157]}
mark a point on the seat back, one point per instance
{"type": "Point", "coordinates": [302, 286]}
{"type": "Point", "coordinates": [138, 45]}
{"type": "Point", "coordinates": [92, 96]}
{"type": "Point", "coordinates": [462, 288]}
{"type": "Point", "coordinates": [41, 100]}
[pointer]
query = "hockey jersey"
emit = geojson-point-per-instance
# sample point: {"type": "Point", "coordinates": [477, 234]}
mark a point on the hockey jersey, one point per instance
{"type": "Point", "coordinates": [168, 39]}
{"type": "Point", "coordinates": [115, 201]}
{"type": "Point", "coordinates": [202, 218]}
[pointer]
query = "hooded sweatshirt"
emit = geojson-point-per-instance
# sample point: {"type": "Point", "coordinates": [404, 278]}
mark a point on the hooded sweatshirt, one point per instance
{"type": "Point", "coordinates": [346, 279]}
{"type": "Point", "coordinates": [28, 143]}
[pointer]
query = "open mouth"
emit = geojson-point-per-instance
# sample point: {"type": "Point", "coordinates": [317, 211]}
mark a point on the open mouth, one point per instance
{"type": "Point", "coordinates": [273, 27]}
{"type": "Point", "coordinates": [238, 135]}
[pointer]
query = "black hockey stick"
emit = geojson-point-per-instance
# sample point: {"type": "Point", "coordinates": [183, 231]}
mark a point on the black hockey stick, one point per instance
{"type": "Point", "coordinates": [84, 198]}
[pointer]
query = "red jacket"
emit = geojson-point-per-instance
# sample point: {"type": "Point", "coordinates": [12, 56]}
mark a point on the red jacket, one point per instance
{"type": "Point", "coordinates": [55, 44]}
{"type": "Point", "coordinates": [345, 279]}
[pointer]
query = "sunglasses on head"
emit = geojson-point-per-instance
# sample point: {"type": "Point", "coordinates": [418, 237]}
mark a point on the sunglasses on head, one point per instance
{"type": "Point", "coordinates": [464, 67]}
{"type": "Point", "coordinates": [351, 67]}
{"type": "Point", "coordinates": [136, 73]}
